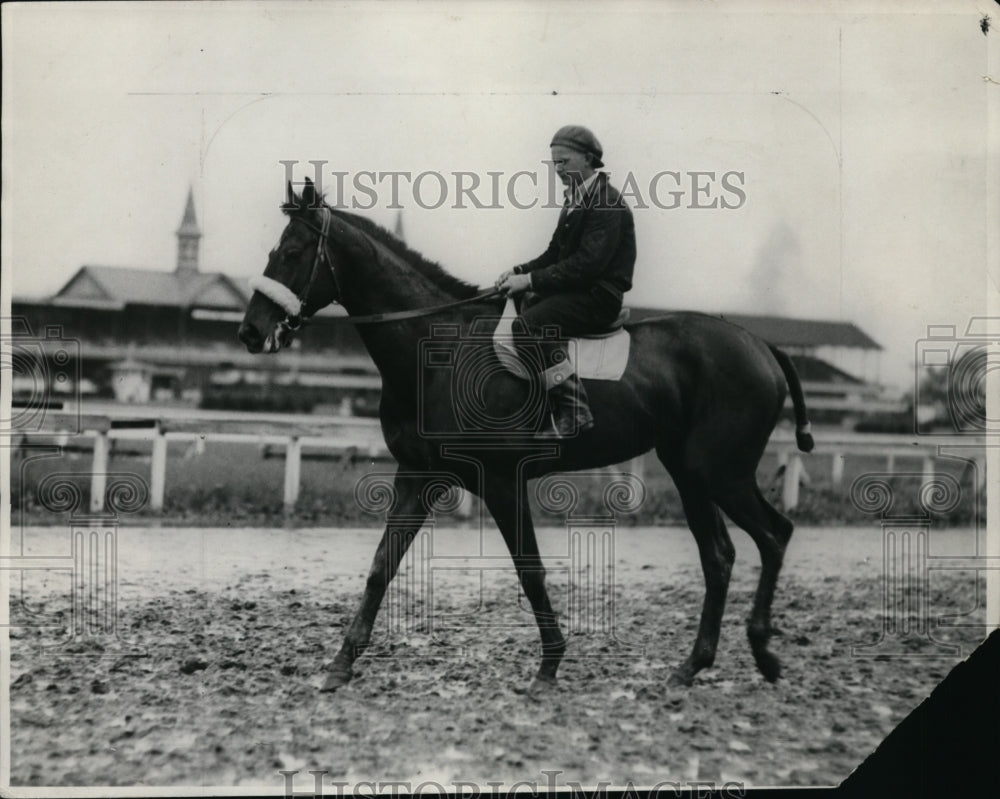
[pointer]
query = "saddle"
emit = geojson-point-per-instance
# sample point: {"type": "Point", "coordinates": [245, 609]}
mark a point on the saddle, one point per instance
{"type": "Point", "coordinates": [600, 356]}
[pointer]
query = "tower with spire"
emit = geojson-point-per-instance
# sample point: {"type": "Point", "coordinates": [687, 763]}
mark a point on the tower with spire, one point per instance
{"type": "Point", "coordinates": [188, 238]}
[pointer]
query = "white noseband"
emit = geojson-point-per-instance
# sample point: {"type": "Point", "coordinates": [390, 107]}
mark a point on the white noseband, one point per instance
{"type": "Point", "coordinates": [277, 293]}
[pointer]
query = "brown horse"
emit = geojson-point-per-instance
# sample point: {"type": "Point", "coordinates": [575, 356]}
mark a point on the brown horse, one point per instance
{"type": "Point", "coordinates": [704, 393]}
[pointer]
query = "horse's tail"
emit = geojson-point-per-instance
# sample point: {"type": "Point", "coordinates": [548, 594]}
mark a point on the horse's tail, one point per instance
{"type": "Point", "coordinates": [803, 434]}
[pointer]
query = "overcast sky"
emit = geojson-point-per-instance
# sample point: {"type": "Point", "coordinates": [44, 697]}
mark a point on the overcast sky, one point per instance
{"type": "Point", "coordinates": [854, 145]}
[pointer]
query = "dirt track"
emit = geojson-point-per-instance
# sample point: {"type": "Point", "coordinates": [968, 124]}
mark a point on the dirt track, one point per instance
{"type": "Point", "coordinates": [236, 625]}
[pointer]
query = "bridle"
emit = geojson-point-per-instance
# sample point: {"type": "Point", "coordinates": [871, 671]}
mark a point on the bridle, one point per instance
{"type": "Point", "coordinates": [294, 304]}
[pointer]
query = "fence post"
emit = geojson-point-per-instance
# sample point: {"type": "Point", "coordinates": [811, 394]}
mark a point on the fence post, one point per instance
{"type": "Point", "coordinates": [790, 489]}
{"type": "Point", "coordinates": [783, 458]}
{"type": "Point", "coordinates": [293, 472]}
{"type": "Point", "coordinates": [928, 475]}
{"type": "Point", "coordinates": [637, 473]}
{"type": "Point", "coordinates": [980, 471]}
{"type": "Point", "coordinates": [464, 510]}
{"type": "Point", "coordinates": [837, 476]}
{"type": "Point", "coordinates": [99, 473]}
{"type": "Point", "coordinates": [158, 471]}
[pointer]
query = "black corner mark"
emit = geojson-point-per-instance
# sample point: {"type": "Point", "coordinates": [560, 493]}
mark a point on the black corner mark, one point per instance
{"type": "Point", "coordinates": [947, 745]}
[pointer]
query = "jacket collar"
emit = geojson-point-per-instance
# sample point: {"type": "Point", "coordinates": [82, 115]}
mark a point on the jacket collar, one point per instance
{"type": "Point", "coordinates": [574, 197]}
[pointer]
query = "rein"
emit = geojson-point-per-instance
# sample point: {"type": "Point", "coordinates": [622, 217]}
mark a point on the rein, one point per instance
{"type": "Point", "coordinates": [293, 305]}
{"type": "Point", "coordinates": [395, 316]}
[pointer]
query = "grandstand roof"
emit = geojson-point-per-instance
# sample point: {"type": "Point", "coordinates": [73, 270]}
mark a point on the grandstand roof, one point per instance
{"type": "Point", "coordinates": [783, 331]}
{"type": "Point", "coordinates": [816, 370]}
{"type": "Point", "coordinates": [116, 287]}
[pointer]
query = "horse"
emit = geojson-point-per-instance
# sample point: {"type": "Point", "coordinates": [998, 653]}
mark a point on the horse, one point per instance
{"type": "Point", "coordinates": [704, 393]}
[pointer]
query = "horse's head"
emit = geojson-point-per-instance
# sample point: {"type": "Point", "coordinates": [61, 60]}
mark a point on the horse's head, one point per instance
{"type": "Point", "coordinates": [299, 278]}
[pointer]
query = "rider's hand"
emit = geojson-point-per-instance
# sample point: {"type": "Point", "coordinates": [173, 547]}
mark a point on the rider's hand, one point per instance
{"type": "Point", "coordinates": [515, 284]}
{"type": "Point", "coordinates": [503, 276]}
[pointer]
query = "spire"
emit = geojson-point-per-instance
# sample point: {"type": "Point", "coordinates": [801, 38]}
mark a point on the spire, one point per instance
{"type": "Point", "coordinates": [188, 236]}
{"type": "Point", "coordinates": [399, 227]}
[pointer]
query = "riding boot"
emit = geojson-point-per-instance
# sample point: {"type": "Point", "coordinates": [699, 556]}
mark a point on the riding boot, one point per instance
{"type": "Point", "coordinates": [570, 412]}
{"type": "Point", "coordinates": [566, 401]}
{"type": "Point", "coordinates": [567, 398]}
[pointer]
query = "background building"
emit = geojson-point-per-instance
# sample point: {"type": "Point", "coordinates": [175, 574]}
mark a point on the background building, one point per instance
{"type": "Point", "coordinates": [838, 364]}
{"type": "Point", "coordinates": [170, 337]}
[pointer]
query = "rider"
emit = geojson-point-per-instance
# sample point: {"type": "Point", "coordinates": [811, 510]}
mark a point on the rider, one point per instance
{"type": "Point", "coordinates": [577, 284]}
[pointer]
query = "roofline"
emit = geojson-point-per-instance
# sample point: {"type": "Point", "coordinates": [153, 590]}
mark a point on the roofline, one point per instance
{"type": "Point", "coordinates": [730, 315]}
{"type": "Point", "coordinates": [873, 347]}
{"type": "Point", "coordinates": [78, 302]}
{"type": "Point", "coordinates": [658, 309]}
{"type": "Point", "coordinates": [810, 320]}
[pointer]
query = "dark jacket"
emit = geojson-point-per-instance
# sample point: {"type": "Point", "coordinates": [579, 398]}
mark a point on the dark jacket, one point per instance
{"type": "Point", "coordinates": [594, 244]}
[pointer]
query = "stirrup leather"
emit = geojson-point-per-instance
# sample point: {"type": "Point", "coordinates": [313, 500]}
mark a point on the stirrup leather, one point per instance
{"type": "Point", "coordinates": [557, 374]}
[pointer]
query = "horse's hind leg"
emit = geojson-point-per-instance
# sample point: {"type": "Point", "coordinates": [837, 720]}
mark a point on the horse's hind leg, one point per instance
{"type": "Point", "coordinates": [717, 554]}
{"type": "Point", "coordinates": [771, 532]}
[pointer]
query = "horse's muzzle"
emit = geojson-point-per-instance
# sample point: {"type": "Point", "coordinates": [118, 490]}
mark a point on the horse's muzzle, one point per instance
{"type": "Point", "coordinates": [251, 338]}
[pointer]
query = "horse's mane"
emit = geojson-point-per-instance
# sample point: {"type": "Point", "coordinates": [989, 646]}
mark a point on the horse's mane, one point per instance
{"type": "Point", "coordinates": [433, 271]}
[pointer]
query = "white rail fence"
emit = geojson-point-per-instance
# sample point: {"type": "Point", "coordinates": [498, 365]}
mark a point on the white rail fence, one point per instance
{"type": "Point", "coordinates": [834, 448]}
{"type": "Point", "coordinates": [363, 437]}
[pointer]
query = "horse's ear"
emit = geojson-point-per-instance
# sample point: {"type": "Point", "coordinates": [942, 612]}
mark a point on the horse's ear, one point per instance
{"type": "Point", "coordinates": [309, 195]}
{"type": "Point", "coordinates": [292, 203]}
{"type": "Point", "coordinates": [309, 199]}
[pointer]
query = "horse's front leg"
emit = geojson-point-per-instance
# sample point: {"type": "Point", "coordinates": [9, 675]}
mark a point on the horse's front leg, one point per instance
{"type": "Point", "coordinates": [405, 519]}
{"type": "Point", "coordinates": [509, 507]}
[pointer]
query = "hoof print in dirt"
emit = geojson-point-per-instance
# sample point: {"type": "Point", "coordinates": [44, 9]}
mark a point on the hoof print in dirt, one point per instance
{"type": "Point", "coordinates": [24, 679]}
{"type": "Point", "coordinates": [192, 665]}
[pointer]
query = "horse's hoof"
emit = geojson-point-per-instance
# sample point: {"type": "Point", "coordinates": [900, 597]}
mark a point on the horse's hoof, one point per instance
{"type": "Point", "coordinates": [680, 678]}
{"type": "Point", "coordinates": [769, 665]}
{"type": "Point", "coordinates": [336, 679]}
{"type": "Point", "coordinates": [542, 687]}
